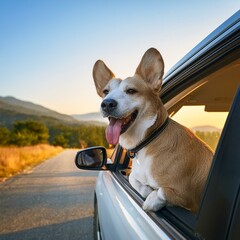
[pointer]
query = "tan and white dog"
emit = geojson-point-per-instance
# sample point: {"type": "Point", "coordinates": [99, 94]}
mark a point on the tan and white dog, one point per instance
{"type": "Point", "coordinates": [172, 168]}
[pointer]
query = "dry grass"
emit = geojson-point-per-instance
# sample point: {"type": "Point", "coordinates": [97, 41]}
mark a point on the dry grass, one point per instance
{"type": "Point", "coordinates": [14, 160]}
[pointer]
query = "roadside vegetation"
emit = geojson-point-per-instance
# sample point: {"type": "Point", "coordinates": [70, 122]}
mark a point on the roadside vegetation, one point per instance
{"type": "Point", "coordinates": [29, 132]}
{"type": "Point", "coordinates": [211, 138]}
{"type": "Point", "coordinates": [14, 159]}
{"type": "Point", "coordinates": [25, 144]}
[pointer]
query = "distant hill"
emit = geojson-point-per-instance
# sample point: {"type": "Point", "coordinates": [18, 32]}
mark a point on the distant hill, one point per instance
{"type": "Point", "coordinates": [91, 117]}
{"type": "Point", "coordinates": [206, 129]}
{"type": "Point", "coordinates": [12, 109]}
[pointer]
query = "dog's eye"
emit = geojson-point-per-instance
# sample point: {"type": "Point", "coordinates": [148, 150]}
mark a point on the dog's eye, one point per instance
{"type": "Point", "coordinates": [105, 91]}
{"type": "Point", "coordinates": [131, 91]}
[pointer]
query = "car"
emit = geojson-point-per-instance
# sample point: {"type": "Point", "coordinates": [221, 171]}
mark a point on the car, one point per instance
{"type": "Point", "coordinates": [201, 92]}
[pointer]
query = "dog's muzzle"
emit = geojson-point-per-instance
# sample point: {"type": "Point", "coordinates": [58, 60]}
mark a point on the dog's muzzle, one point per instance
{"type": "Point", "coordinates": [109, 105]}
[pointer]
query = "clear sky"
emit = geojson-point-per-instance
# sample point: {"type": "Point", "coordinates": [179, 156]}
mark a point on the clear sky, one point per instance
{"type": "Point", "coordinates": [48, 47]}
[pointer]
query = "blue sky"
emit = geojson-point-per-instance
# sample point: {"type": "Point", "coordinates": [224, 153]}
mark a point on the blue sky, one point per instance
{"type": "Point", "coordinates": [48, 47]}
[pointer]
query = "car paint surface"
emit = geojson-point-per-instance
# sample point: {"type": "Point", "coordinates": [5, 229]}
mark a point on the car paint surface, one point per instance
{"type": "Point", "coordinates": [127, 221]}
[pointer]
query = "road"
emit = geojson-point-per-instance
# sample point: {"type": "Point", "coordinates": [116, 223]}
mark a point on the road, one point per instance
{"type": "Point", "coordinates": [53, 201]}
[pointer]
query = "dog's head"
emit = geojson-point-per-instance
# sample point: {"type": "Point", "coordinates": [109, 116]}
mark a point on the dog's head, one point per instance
{"type": "Point", "coordinates": [130, 104]}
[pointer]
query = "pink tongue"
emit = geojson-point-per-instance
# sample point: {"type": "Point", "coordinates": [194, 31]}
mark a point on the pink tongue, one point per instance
{"type": "Point", "coordinates": [113, 131]}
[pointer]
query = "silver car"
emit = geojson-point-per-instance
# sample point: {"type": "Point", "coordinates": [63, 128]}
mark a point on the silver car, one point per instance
{"type": "Point", "coordinates": [201, 92]}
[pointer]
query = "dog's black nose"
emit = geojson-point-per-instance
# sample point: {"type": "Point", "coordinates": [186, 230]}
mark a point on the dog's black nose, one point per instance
{"type": "Point", "coordinates": [109, 105]}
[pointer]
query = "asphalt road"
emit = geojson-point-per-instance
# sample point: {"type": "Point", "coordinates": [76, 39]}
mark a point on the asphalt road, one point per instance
{"type": "Point", "coordinates": [53, 201]}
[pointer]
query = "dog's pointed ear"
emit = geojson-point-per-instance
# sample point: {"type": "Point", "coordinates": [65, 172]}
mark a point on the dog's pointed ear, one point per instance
{"type": "Point", "coordinates": [101, 75]}
{"type": "Point", "coordinates": [151, 68]}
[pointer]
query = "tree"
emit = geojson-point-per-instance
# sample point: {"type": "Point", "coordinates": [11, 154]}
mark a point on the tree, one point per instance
{"type": "Point", "coordinates": [29, 133]}
{"type": "Point", "coordinates": [4, 136]}
{"type": "Point", "coordinates": [211, 138]}
{"type": "Point", "coordinates": [60, 140]}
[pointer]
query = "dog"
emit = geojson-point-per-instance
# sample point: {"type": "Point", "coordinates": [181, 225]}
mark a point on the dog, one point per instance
{"type": "Point", "coordinates": [172, 166]}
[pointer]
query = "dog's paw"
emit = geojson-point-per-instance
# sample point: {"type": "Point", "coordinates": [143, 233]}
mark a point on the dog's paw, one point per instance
{"type": "Point", "coordinates": [155, 201]}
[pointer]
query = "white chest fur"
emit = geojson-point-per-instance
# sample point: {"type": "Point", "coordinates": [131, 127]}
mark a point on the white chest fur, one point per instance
{"type": "Point", "coordinates": [141, 170]}
{"type": "Point", "coordinates": [141, 179]}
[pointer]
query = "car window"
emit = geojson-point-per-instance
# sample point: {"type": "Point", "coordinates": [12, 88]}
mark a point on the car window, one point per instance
{"type": "Point", "coordinates": [204, 106]}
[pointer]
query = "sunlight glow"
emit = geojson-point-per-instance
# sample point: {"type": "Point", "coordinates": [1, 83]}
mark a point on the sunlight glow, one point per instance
{"type": "Point", "coordinates": [192, 116]}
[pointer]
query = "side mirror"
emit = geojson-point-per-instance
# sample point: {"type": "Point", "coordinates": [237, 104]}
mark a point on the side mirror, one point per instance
{"type": "Point", "coordinates": [94, 158]}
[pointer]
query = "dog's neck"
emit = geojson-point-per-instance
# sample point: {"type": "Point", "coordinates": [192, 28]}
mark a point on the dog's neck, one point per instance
{"type": "Point", "coordinates": [133, 137]}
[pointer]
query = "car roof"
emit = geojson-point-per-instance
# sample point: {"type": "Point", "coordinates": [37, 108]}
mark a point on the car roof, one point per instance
{"type": "Point", "coordinates": [230, 25]}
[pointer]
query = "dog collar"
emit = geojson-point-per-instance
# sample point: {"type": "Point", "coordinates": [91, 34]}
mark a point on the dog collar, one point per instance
{"type": "Point", "coordinates": [132, 152]}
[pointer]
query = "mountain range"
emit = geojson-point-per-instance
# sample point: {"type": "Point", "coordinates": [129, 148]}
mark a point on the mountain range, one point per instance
{"type": "Point", "coordinates": [13, 109]}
